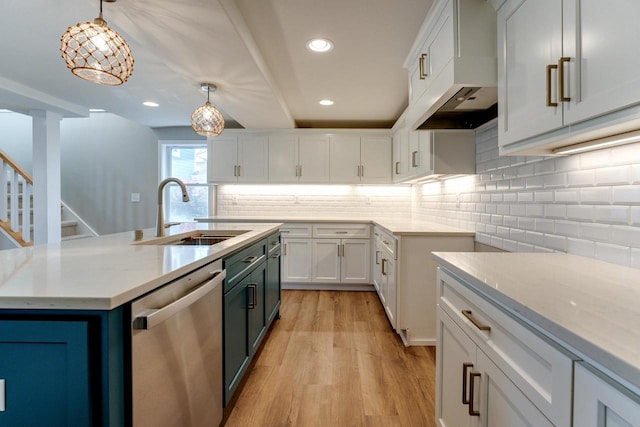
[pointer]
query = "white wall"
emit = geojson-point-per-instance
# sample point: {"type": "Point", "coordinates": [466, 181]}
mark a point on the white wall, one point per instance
{"type": "Point", "coordinates": [104, 159]}
{"type": "Point", "coordinates": [16, 138]}
{"type": "Point", "coordinates": [586, 204]}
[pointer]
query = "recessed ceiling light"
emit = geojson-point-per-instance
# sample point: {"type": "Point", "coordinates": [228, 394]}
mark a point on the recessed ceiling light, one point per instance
{"type": "Point", "coordinates": [97, 110]}
{"type": "Point", "coordinates": [326, 102]}
{"type": "Point", "coordinates": [320, 45]}
{"type": "Point", "coordinates": [150, 104]}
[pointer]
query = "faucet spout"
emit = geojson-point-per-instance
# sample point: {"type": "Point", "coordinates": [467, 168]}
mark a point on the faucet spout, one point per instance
{"type": "Point", "coordinates": [160, 216]}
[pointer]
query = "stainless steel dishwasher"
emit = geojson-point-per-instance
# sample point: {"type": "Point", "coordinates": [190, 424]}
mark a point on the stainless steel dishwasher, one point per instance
{"type": "Point", "coordinates": [177, 352]}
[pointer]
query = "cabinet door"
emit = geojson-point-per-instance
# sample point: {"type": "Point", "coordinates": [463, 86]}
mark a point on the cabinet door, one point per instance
{"type": "Point", "coordinates": [455, 358]}
{"type": "Point", "coordinates": [355, 262]}
{"type": "Point", "coordinates": [236, 340]}
{"type": "Point", "coordinates": [296, 260]}
{"type": "Point", "coordinates": [223, 159]}
{"type": "Point", "coordinates": [283, 158]}
{"type": "Point", "coordinates": [530, 39]}
{"type": "Point", "coordinates": [253, 151]}
{"type": "Point", "coordinates": [375, 154]}
{"type": "Point", "coordinates": [601, 41]}
{"type": "Point", "coordinates": [400, 154]}
{"type": "Point", "coordinates": [377, 268]}
{"type": "Point", "coordinates": [597, 402]}
{"type": "Point", "coordinates": [326, 260]}
{"type": "Point", "coordinates": [420, 152]}
{"type": "Point", "coordinates": [45, 368]}
{"type": "Point", "coordinates": [345, 158]}
{"type": "Point", "coordinates": [256, 307]}
{"type": "Point", "coordinates": [313, 157]}
{"type": "Point", "coordinates": [499, 402]}
{"type": "Point", "coordinates": [390, 290]}
{"type": "Point", "coordinates": [419, 73]}
{"type": "Point", "coordinates": [272, 291]}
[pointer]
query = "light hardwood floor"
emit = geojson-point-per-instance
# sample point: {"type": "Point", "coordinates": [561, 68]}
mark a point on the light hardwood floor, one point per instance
{"type": "Point", "coordinates": [333, 360]}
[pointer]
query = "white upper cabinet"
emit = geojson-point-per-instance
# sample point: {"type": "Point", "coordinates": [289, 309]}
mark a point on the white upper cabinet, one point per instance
{"type": "Point", "coordinates": [356, 159]}
{"type": "Point", "coordinates": [313, 158]}
{"type": "Point", "coordinates": [375, 159]}
{"type": "Point", "coordinates": [400, 155]}
{"type": "Point", "coordinates": [283, 158]}
{"type": "Point", "coordinates": [238, 159]}
{"type": "Point", "coordinates": [253, 151]}
{"type": "Point", "coordinates": [345, 158]}
{"type": "Point", "coordinates": [223, 159]}
{"type": "Point", "coordinates": [567, 72]}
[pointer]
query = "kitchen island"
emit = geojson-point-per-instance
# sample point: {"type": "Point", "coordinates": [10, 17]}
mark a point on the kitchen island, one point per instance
{"type": "Point", "coordinates": [66, 317]}
{"type": "Point", "coordinates": [554, 335]}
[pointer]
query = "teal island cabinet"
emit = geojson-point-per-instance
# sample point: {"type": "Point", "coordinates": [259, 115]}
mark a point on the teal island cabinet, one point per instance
{"type": "Point", "coordinates": [66, 342]}
{"type": "Point", "coordinates": [251, 303]}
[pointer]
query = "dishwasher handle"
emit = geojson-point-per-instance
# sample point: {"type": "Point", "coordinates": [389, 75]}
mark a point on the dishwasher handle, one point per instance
{"type": "Point", "coordinates": [151, 318]}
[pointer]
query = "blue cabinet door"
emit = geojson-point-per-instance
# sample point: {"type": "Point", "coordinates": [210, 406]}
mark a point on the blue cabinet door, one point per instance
{"type": "Point", "coordinates": [272, 291]}
{"type": "Point", "coordinates": [257, 319]}
{"type": "Point", "coordinates": [45, 366]}
{"type": "Point", "coordinates": [236, 339]}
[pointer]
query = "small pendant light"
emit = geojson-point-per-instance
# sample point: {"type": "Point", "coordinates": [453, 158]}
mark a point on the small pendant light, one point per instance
{"type": "Point", "coordinates": [95, 52]}
{"type": "Point", "coordinates": [207, 120]}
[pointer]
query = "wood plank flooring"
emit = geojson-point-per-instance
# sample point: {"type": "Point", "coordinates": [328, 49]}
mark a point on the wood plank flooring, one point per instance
{"type": "Point", "coordinates": [333, 360]}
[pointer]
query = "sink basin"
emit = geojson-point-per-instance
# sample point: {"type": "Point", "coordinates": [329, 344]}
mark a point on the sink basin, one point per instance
{"type": "Point", "coordinates": [195, 238]}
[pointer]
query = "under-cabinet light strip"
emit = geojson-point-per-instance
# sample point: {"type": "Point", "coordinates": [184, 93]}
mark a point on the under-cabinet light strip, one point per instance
{"type": "Point", "coordinates": [596, 144]}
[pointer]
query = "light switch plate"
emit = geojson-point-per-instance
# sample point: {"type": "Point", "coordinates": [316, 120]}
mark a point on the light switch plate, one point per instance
{"type": "Point", "coordinates": [2, 395]}
{"type": "Point", "coordinates": [135, 197]}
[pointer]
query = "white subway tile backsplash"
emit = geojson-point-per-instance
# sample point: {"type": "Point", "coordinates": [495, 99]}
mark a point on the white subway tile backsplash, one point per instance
{"type": "Point", "coordinates": [558, 243]}
{"type": "Point", "coordinates": [566, 196]}
{"type": "Point", "coordinates": [527, 223]}
{"type": "Point", "coordinates": [510, 221]}
{"type": "Point", "coordinates": [625, 154]}
{"type": "Point", "coordinates": [635, 258]}
{"type": "Point", "coordinates": [581, 247]}
{"type": "Point", "coordinates": [545, 225]}
{"type": "Point", "coordinates": [613, 175]}
{"type": "Point", "coordinates": [503, 209]}
{"type": "Point", "coordinates": [581, 178]}
{"type": "Point", "coordinates": [555, 211]}
{"type": "Point", "coordinates": [613, 253]}
{"type": "Point", "coordinates": [525, 197]}
{"type": "Point", "coordinates": [518, 210]}
{"type": "Point", "coordinates": [534, 182]}
{"type": "Point", "coordinates": [543, 196]}
{"type": "Point", "coordinates": [581, 213]}
{"type": "Point", "coordinates": [568, 228]}
{"type": "Point", "coordinates": [534, 238]}
{"type": "Point", "coordinates": [635, 174]}
{"type": "Point", "coordinates": [596, 195]}
{"type": "Point", "coordinates": [627, 195]}
{"type": "Point", "coordinates": [612, 214]}
{"type": "Point", "coordinates": [635, 216]}
{"type": "Point", "coordinates": [595, 159]}
{"type": "Point", "coordinates": [534, 210]}
{"type": "Point", "coordinates": [625, 235]}
{"type": "Point", "coordinates": [595, 232]}
{"type": "Point", "coordinates": [555, 180]}
{"type": "Point", "coordinates": [568, 163]}
{"type": "Point", "coordinates": [510, 197]}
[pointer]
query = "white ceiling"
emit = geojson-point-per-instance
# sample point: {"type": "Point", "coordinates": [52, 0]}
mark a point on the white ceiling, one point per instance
{"type": "Point", "coordinates": [254, 50]}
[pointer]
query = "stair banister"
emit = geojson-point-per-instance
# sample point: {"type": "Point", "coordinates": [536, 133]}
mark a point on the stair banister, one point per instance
{"type": "Point", "coordinates": [21, 186]}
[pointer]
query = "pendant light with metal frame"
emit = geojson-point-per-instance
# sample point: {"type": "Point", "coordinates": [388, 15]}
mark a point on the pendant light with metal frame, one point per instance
{"type": "Point", "coordinates": [95, 52]}
{"type": "Point", "coordinates": [207, 120]}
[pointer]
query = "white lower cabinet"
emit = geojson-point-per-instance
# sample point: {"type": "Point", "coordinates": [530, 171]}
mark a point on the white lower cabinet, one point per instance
{"type": "Point", "coordinates": [494, 369]}
{"type": "Point", "coordinates": [327, 253]}
{"type": "Point", "coordinates": [599, 401]}
{"type": "Point", "coordinates": [473, 390]}
{"type": "Point", "coordinates": [296, 260]}
{"type": "Point", "coordinates": [384, 275]}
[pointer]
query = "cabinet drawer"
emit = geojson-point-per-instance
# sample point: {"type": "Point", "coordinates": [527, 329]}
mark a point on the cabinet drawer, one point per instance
{"type": "Point", "coordinates": [243, 262]}
{"type": "Point", "coordinates": [535, 365]}
{"type": "Point", "coordinates": [296, 230]}
{"type": "Point", "coordinates": [342, 230]}
{"type": "Point", "coordinates": [387, 241]}
{"type": "Point", "coordinates": [273, 242]}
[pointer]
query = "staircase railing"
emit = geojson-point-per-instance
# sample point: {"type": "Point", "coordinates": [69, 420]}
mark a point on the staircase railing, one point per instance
{"type": "Point", "coordinates": [16, 186]}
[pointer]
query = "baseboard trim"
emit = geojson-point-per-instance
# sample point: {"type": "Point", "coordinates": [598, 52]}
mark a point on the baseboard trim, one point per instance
{"type": "Point", "coordinates": [365, 287]}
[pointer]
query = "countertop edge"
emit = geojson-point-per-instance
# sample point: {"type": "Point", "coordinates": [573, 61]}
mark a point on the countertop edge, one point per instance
{"type": "Point", "coordinates": [565, 338]}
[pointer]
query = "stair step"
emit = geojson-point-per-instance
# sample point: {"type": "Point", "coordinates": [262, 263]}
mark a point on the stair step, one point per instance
{"type": "Point", "coordinates": [68, 223]}
{"type": "Point", "coordinates": [75, 237]}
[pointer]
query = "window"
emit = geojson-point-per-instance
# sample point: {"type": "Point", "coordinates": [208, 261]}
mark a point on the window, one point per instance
{"type": "Point", "coordinates": [187, 162]}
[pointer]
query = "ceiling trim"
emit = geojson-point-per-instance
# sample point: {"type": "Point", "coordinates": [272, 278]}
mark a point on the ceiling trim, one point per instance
{"type": "Point", "coordinates": [20, 98]}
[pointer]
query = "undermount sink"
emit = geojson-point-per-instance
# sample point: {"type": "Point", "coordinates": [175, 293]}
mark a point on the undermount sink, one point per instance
{"type": "Point", "coordinates": [195, 238]}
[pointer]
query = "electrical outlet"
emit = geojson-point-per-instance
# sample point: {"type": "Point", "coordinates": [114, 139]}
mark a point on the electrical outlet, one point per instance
{"type": "Point", "coordinates": [457, 200]}
{"type": "Point", "coordinates": [234, 200]}
{"type": "Point", "coordinates": [296, 200]}
{"type": "Point", "coordinates": [367, 200]}
{"type": "Point", "coordinates": [135, 197]}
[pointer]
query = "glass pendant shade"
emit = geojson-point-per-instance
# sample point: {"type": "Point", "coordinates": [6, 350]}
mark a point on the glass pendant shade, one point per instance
{"type": "Point", "coordinates": [95, 52]}
{"type": "Point", "coordinates": [207, 120]}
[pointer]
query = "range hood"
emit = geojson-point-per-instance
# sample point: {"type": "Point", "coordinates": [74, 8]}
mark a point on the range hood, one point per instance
{"type": "Point", "coordinates": [469, 108]}
{"type": "Point", "coordinates": [459, 88]}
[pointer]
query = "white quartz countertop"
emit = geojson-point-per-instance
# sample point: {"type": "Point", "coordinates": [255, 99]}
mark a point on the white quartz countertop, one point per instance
{"type": "Point", "coordinates": [396, 226]}
{"type": "Point", "coordinates": [102, 273]}
{"type": "Point", "coordinates": [593, 306]}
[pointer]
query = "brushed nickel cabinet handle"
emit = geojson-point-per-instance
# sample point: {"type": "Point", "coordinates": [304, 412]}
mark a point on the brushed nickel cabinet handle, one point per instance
{"type": "Point", "coordinates": [421, 63]}
{"type": "Point", "coordinates": [561, 62]}
{"type": "Point", "coordinates": [362, 171]}
{"type": "Point", "coordinates": [397, 166]}
{"type": "Point", "coordinates": [377, 259]}
{"type": "Point", "coordinates": [549, 68]}
{"type": "Point", "coordinates": [384, 264]}
{"type": "Point", "coordinates": [284, 250]}
{"type": "Point", "coordinates": [414, 162]}
{"type": "Point", "coordinates": [250, 259]}
{"type": "Point", "coordinates": [239, 174]}
{"type": "Point", "coordinates": [465, 368]}
{"type": "Point", "coordinates": [472, 378]}
{"type": "Point", "coordinates": [467, 314]}
{"type": "Point", "coordinates": [254, 295]}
